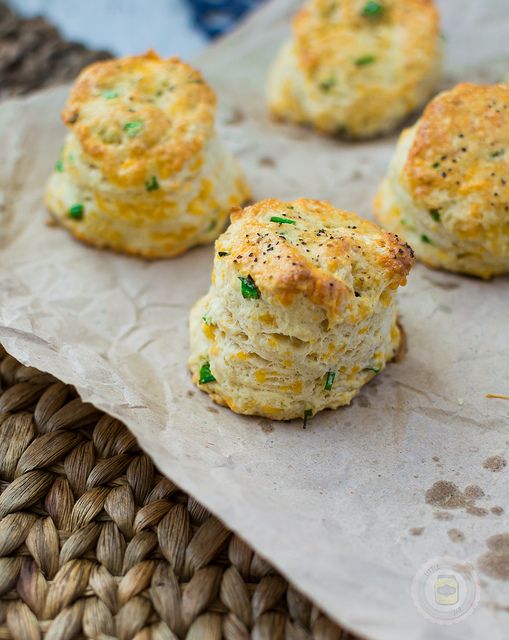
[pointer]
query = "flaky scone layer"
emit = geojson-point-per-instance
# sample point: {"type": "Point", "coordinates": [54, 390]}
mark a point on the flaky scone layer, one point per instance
{"type": "Point", "coordinates": [301, 312]}
{"type": "Point", "coordinates": [446, 191]}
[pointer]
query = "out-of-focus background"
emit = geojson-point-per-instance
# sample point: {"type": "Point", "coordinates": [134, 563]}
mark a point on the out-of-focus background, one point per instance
{"type": "Point", "coordinates": [180, 27]}
{"type": "Point", "coordinates": [44, 42]}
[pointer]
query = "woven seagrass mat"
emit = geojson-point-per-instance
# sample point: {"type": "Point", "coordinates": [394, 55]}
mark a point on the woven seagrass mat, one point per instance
{"type": "Point", "coordinates": [33, 54]}
{"type": "Point", "coordinates": [96, 543]}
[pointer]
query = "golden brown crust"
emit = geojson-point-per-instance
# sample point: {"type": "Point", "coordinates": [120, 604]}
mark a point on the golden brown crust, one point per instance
{"type": "Point", "coordinates": [312, 257]}
{"type": "Point", "coordinates": [313, 317]}
{"type": "Point", "coordinates": [357, 68]}
{"type": "Point", "coordinates": [325, 29]}
{"type": "Point", "coordinates": [140, 115]}
{"type": "Point", "coordinates": [142, 170]}
{"type": "Point", "coordinates": [461, 151]}
{"type": "Point", "coordinates": [446, 191]}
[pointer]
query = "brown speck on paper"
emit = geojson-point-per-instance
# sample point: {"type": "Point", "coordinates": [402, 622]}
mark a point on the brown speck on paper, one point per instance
{"type": "Point", "coordinates": [442, 515]}
{"type": "Point", "coordinates": [447, 495]}
{"type": "Point", "coordinates": [498, 511]}
{"type": "Point", "coordinates": [495, 562]}
{"type": "Point", "coordinates": [416, 531]}
{"type": "Point", "coordinates": [473, 491]}
{"type": "Point", "coordinates": [477, 511]}
{"type": "Point", "coordinates": [236, 116]}
{"type": "Point", "coordinates": [267, 427]}
{"type": "Point", "coordinates": [266, 161]}
{"type": "Point", "coordinates": [495, 463]}
{"type": "Point", "coordinates": [456, 535]}
{"type": "Point", "coordinates": [363, 401]}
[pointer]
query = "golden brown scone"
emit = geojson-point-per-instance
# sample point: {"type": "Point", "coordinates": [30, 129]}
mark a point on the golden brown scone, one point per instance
{"type": "Point", "coordinates": [301, 312]}
{"type": "Point", "coordinates": [446, 192]}
{"type": "Point", "coordinates": [357, 68]}
{"type": "Point", "coordinates": [142, 170]}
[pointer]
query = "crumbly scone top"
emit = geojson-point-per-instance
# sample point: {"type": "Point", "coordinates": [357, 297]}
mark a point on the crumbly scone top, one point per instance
{"type": "Point", "coordinates": [309, 247]}
{"type": "Point", "coordinates": [460, 152]}
{"type": "Point", "coordinates": [362, 33]}
{"type": "Point", "coordinates": [140, 115]}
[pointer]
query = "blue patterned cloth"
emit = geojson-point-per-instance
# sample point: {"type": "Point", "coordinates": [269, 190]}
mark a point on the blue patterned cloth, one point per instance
{"type": "Point", "coordinates": [214, 17]}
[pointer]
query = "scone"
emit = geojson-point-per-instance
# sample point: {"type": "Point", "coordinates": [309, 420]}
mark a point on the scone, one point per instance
{"type": "Point", "coordinates": [142, 170]}
{"type": "Point", "coordinates": [446, 192]}
{"type": "Point", "coordinates": [301, 312]}
{"type": "Point", "coordinates": [357, 68]}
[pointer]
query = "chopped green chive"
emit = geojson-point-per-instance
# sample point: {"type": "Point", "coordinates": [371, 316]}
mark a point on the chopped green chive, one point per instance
{"type": "Point", "coordinates": [435, 165]}
{"type": "Point", "coordinates": [222, 254]}
{"type": "Point", "coordinates": [424, 238]}
{"type": "Point", "coordinates": [373, 369]}
{"type": "Point", "coordinates": [109, 94]}
{"type": "Point", "coordinates": [59, 166]}
{"type": "Point", "coordinates": [76, 211]}
{"type": "Point", "coordinates": [330, 380]}
{"type": "Point", "coordinates": [307, 414]}
{"type": "Point", "coordinates": [206, 319]}
{"type": "Point", "coordinates": [326, 85]}
{"type": "Point", "coordinates": [435, 214]}
{"type": "Point", "coordinates": [133, 128]}
{"type": "Point", "coordinates": [372, 9]}
{"type": "Point", "coordinates": [290, 206]}
{"type": "Point", "coordinates": [282, 220]}
{"type": "Point", "coordinates": [152, 184]}
{"type": "Point", "coordinates": [205, 374]}
{"type": "Point", "coordinates": [365, 60]}
{"type": "Point", "coordinates": [498, 153]}
{"type": "Point", "coordinates": [404, 221]}
{"type": "Point", "coordinates": [211, 225]}
{"type": "Point", "coordinates": [248, 288]}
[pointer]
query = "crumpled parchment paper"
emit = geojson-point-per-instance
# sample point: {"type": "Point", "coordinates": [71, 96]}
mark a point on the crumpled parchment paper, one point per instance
{"type": "Point", "coordinates": [340, 507]}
